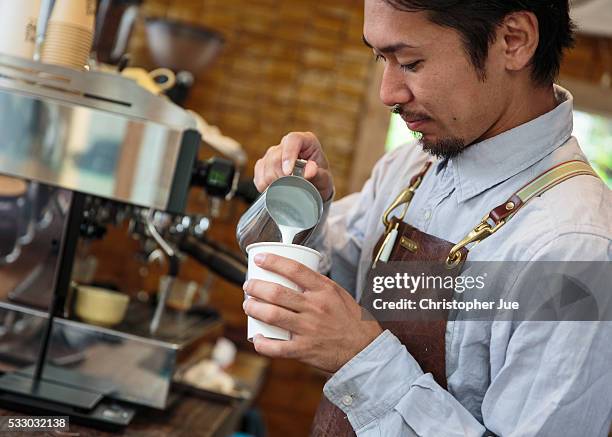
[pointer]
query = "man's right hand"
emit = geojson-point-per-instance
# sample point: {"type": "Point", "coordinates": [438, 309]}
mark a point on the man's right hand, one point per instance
{"type": "Point", "coordinates": [279, 161]}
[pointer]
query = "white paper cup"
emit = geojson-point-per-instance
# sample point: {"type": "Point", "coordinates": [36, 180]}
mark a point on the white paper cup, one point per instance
{"type": "Point", "coordinates": [305, 255]}
{"type": "Point", "coordinates": [18, 21]}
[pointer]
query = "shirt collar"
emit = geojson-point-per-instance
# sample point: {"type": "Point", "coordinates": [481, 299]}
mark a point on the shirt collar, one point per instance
{"type": "Point", "coordinates": [494, 160]}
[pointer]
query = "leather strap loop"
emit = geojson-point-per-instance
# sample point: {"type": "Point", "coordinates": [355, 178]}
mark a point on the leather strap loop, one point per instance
{"type": "Point", "coordinates": [504, 212]}
{"type": "Point", "coordinates": [506, 209]}
{"type": "Point", "coordinates": [538, 185]}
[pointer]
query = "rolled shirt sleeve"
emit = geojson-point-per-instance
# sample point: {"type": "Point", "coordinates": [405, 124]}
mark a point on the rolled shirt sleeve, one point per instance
{"type": "Point", "coordinates": [383, 391]}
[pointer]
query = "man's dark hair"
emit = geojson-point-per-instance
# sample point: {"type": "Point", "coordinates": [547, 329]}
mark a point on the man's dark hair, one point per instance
{"type": "Point", "coordinates": [477, 20]}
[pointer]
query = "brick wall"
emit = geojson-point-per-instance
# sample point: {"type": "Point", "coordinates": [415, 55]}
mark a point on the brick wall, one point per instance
{"type": "Point", "coordinates": [287, 65]}
{"type": "Point", "coordinates": [590, 60]}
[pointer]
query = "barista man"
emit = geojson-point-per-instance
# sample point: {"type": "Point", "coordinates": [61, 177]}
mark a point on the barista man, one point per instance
{"type": "Point", "coordinates": [476, 80]}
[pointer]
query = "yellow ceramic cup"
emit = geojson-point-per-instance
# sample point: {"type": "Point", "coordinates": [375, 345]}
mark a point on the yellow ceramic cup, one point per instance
{"type": "Point", "coordinates": [100, 306]}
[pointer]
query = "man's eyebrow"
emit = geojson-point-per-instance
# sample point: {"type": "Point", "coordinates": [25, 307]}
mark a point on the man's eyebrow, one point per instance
{"type": "Point", "coordinates": [388, 49]}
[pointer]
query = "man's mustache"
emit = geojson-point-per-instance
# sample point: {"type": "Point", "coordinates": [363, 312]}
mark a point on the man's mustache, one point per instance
{"type": "Point", "coordinates": [408, 115]}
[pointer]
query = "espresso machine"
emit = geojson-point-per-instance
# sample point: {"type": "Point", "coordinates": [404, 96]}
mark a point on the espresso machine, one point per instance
{"type": "Point", "coordinates": [93, 149]}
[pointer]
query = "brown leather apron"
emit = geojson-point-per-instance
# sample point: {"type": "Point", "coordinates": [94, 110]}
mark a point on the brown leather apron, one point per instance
{"type": "Point", "coordinates": [425, 340]}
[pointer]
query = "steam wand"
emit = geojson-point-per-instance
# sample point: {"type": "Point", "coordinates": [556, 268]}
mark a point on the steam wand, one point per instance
{"type": "Point", "coordinates": [173, 269]}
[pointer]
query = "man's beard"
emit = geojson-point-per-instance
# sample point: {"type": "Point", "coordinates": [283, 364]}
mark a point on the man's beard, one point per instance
{"type": "Point", "coordinates": [444, 148]}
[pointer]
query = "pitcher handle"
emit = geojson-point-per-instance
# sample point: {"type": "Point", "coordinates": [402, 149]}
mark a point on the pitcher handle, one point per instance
{"type": "Point", "coordinates": [298, 169]}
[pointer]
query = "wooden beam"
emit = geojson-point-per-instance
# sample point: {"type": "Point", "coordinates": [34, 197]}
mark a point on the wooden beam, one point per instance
{"type": "Point", "coordinates": [373, 128]}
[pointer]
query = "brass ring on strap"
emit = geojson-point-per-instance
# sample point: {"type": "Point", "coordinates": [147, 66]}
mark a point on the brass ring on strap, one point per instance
{"type": "Point", "coordinates": [479, 233]}
{"type": "Point", "coordinates": [405, 197]}
{"type": "Point", "coordinates": [453, 259]}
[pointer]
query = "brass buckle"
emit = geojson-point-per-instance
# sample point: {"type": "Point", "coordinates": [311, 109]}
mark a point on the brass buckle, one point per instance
{"type": "Point", "coordinates": [479, 233]}
{"type": "Point", "coordinates": [404, 197]}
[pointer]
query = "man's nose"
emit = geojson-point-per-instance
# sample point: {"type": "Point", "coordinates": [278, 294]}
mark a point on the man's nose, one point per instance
{"type": "Point", "coordinates": [394, 88]}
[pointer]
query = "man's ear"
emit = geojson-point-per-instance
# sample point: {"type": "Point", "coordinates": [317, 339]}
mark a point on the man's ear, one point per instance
{"type": "Point", "coordinates": [519, 36]}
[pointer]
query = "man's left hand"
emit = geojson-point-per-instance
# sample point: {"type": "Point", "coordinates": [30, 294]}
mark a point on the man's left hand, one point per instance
{"type": "Point", "coordinates": [327, 325]}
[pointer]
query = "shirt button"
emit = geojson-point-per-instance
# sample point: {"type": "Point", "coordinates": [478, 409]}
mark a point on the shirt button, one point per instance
{"type": "Point", "coordinates": [427, 214]}
{"type": "Point", "coordinates": [347, 400]}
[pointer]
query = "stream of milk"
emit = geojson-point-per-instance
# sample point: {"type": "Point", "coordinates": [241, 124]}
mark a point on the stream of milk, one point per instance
{"type": "Point", "coordinates": [289, 233]}
{"type": "Point", "coordinates": [293, 209]}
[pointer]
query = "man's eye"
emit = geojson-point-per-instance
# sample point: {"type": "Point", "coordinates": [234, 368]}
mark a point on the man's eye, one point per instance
{"type": "Point", "coordinates": [379, 58]}
{"type": "Point", "coordinates": [410, 67]}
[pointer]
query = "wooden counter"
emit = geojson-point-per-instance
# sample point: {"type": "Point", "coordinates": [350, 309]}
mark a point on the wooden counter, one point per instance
{"type": "Point", "coordinates": [191, 413]}
{"type": "Point", "coordinates": [190, 416]}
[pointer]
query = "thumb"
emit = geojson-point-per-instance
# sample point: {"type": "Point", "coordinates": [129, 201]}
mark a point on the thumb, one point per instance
{"type": "Point", "coordinates": [310, 170]}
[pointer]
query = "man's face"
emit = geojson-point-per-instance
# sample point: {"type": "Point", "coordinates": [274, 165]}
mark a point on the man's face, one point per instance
{"type": "Point", "coordinates": [430, 76]}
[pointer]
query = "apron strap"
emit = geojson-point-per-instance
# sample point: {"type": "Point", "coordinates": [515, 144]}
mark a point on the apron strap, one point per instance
{"type": "Point", "coordinates": [500, 215]}
{"type": "Point", "coordinates": [405, 196]}
{"type": "Point", "coordinates": [391, 226]}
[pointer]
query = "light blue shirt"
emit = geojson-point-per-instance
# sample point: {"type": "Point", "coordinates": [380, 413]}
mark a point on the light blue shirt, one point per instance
{"type": "Point", "coordinates": [530, 379]}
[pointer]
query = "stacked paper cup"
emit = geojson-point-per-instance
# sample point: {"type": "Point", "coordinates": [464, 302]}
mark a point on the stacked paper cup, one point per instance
{"type": "Point", "coordinates": [18, 27]}
{"type": "Point", "coordinates": [69, 33]}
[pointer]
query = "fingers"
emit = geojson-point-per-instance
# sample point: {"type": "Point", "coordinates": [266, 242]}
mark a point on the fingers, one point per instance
{"type": "Point", "coordinates": [277, 162]}
{"type": "Point", "coordinates": [291, 145]}
{"type": "Point", "coordinates": [258, 177]}
{"type": "Point", "coordinates": [322, 179]}
{"type": "Point", "coordinates": [280, 160]}
{"type": "Point", "coordinates": [311, 169]}
{"type": "Point", "coordinates": [276, 294]}
{"type": "Point", "coordinates": [292, 270]}
{"type": "Point", "coordinates": [274, 348]}
{"type": "Point", "coordinates": [268, 169]}
{"type": "Point", "coordinates": [272, 168]}
{"type": "Point", "coordinates": [271, 314]}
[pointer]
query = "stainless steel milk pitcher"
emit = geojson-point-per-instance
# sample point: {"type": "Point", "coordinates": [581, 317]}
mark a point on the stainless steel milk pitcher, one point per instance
{"type": "Point", "coordinates": [288, 201]}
